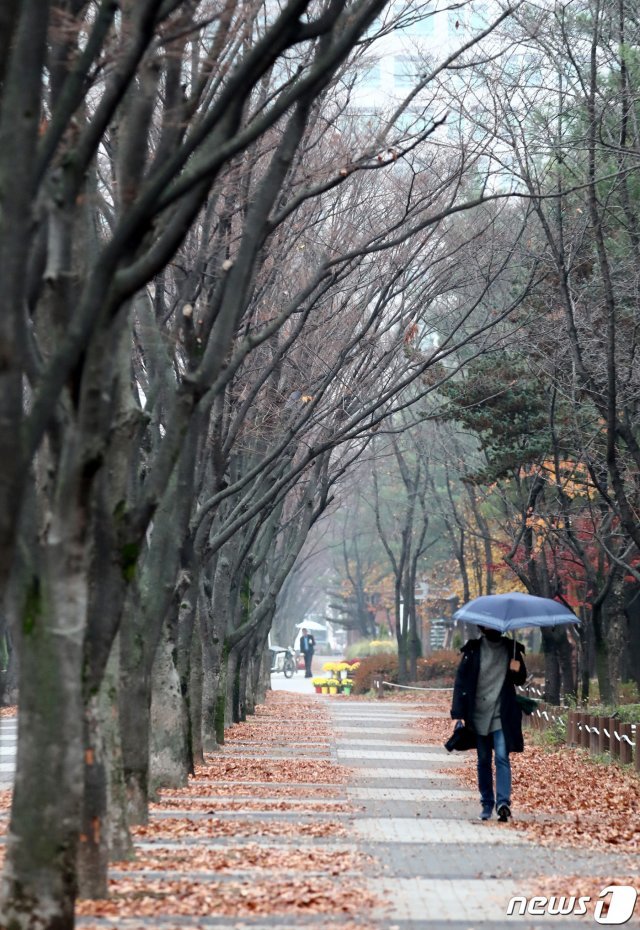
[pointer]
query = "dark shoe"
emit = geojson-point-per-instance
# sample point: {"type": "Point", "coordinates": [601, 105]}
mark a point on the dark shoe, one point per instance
{"type": "Point", "coordinates": [504, 812]}
{"type": "Point", "coordinates": [487, 810]}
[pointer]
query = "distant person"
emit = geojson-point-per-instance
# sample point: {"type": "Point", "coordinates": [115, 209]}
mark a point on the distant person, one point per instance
{"type": "Point", "coordinates": [307, 647]}
{"type": "Point", "coordinates": [484, 697]}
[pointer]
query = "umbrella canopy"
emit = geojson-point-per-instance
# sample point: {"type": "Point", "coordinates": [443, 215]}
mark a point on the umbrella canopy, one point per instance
{"type": "Point", "coordinates": [513, 611]}
{"type": "Point", "coordinates": [310, 625]}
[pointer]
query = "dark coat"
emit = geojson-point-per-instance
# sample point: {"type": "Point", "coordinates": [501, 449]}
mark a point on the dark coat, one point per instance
{"type": "Point", "coordinates": [464, 693]}
{"type": "Point", "coordinates": [307, 644]}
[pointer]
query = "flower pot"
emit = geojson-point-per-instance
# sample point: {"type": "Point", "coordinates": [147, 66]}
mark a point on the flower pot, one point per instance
{"type": "Point", "coordinates": [324, 689]}
{"type": "Point", "coordinates": [333, 689]}
{"type": "Point", "coordinates": [318, 689]}
{"type": "Point", "coordinates": [346, 689]}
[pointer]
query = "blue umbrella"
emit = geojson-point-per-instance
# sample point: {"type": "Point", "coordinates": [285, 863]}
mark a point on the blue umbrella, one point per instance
{"type": "Point", "coordinates": [513, 611]}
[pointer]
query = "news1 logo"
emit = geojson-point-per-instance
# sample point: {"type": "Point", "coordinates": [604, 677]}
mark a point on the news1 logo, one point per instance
{"type": "Point", "coordinates": [619, 901]}
{"type": "Point", "coordinates": [621, 905]}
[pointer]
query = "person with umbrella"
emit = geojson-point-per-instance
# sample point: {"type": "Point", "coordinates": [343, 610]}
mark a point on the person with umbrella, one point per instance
{"type": "Point", "coordinates": [484, 694]}
{"type": "Point", "coordinates": [484, 697]}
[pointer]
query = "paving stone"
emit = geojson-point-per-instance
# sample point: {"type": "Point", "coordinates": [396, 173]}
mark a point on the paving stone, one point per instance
{"type": "Point", "coordinates": [419, 755]}
{"type": "Point", "coordinates": [388, 731]}
{"type": "Point", "coordinates": [371, 773]}
{"type": "Point", "coordinates": [428, 832]}
{"type": "Point", "coordinates": [435, 864]}
{"type": "Point", "coordinates": [454, 900]}
{"type": "Point", "coordinates": [248, 814]}
{"type": "Point", "coordinates": [397, 746]}
{"type": "Point", "coordinates": [217, 799]}
{"type": "Point", "coordinates": [222, 783]}
{"type": "Point", "coordinates": [400, 795]}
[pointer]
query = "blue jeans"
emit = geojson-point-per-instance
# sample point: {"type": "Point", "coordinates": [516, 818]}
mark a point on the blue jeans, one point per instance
{"type": "Point", "coordinates": [486, 744]}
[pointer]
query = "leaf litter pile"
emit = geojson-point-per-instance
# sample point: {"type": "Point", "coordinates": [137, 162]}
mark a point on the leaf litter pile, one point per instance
{"type": "Point", "coordinates": [287, 874]}
{"type": "Point", "coordinates": [317, 771]}
{"type": "Point", "coordinates": [582, 803]}
{"type": "Point", "coordinates": [575, 802]}
{"type": "Point", "coordinates": [578, 801]}
{"type": "Point", "coordinates": [211, 805]}
{"type": "Point", "coordinates": [577, 886]}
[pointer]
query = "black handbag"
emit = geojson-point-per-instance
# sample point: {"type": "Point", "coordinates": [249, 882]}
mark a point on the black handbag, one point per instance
{"type": "Point", "coordinates": [462, 738]}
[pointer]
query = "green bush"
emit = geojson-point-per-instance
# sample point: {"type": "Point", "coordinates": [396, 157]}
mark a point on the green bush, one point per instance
{"type": "Point", "coordinates": [628, 693]}
{"type": "Point", "coordinates": [626, 713]}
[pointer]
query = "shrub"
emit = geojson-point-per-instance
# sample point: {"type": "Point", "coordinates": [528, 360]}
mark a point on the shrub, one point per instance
{"type": "Point", "coordinates": [442, 663]}
{"type": "Point", "coordinates": [535, 663]}
{"type": "Point", "coordinates": [356, 650]}
{"type": "Point", "coordinates": [380, 666]}
{"type": "Point", "coordinates": [371, 647]}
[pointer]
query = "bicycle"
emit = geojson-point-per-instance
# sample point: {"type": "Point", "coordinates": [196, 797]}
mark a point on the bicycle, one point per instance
{"type": "Point", "coordinates": [289, 665]}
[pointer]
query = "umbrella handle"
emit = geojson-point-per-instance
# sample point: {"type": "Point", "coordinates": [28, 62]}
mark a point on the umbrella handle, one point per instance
{"type": "Point", "coordinates": [514, 664]}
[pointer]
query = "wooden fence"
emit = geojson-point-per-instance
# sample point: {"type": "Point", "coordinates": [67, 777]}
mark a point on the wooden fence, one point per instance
{"type": "Point", "coordinates": [598, 735]}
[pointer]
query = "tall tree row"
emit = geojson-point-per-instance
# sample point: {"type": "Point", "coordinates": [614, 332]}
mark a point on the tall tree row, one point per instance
{"type": "Point", "coordinates": [555, 409]}
{"type": "Point", "coordinates": [215, 277]}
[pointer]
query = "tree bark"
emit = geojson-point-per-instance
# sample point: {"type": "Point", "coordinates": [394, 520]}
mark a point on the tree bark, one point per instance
{"type": "Point", "coordinates": [40, 882]}
{"type": "Point", "coordinates": [170, 760]}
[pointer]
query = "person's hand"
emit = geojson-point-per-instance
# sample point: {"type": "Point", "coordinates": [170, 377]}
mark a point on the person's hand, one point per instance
{"type": "Point", "coordinates": [515, 665]}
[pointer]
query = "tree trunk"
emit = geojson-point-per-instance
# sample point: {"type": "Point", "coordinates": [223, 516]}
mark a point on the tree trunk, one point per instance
{"type": "Point", "coordinates": [195, 699]}
{"type": "Point", "coordinates": [212, 664]}
{"type": "Point", "coordinates": [632, 611]}
{"type": "Point", "coordinates": [93, 852]}
{"type": "Point", "coordinates": [105, 833]}
{"type": "Point", "coordinates": [601, 648]}
{"type": "Point", "coordinates": [565, 658]}
{"type": "Point", "coordinates": [231, 689]}
{"type": "Point", "coordinates": [215, 610]}
{"type": "Point", "coordinates": [220, 701]}
{"type": "Point", "coordinates": [170, 760]}
{"type": "Point", "coordinates": [10, 677]}
{"type": "Point", "coordinates": [189, 662]}
{"type": "Point", "coordinates": [135, 715]}
{"type": "Point", "coordinates": [243, 674]}
{"type": "Point", "coordinates": [119, 838]}
{"type": "Point", "coordinates": [552, 677]}
{"type": "Point", "coordinates": [616, 635]}
{"type": "Point", "coordinates": [40, 882]}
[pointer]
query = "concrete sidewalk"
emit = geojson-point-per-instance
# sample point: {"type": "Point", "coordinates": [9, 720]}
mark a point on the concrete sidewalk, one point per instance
{"type": "Point", "coordinates": [434, 866]}
{"type": "Point", "coordinates": [8, 743]}
{"type": "Point", "coordinates": [442, 866]}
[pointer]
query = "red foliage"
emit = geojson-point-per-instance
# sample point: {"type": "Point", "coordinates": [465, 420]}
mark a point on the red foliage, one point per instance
{"type": "Point", "coordinates": [439, 666]}
{"type": "Point", "coordinates": [380, 666]}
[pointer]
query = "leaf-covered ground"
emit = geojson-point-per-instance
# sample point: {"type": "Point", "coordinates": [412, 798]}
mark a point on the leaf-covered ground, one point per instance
{"type": "Point", "coordinates": [576, 801]}
{"type": "Point", "coordinates": [564, 798]}
{"type": "Point", "coordinates": [222, 805]}
{"type": "Point", "coordinates": [577, 886]}
{"type": "Point", "coordinates": [261, 865]}
{"type": "Point", "coordinates": [239, 769]}
{"type": "Point", "coordinates": [136, 897]}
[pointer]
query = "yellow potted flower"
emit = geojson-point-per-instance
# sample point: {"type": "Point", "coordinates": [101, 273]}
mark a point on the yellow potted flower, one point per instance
{"type": "Point", "coordinates": [347, 685]}
{"type": "Point", "coordinates": [333, 684]}
{"type": "Point", "coordinates": [318, 683]}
